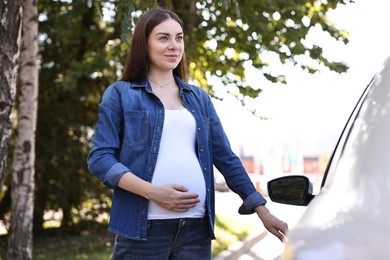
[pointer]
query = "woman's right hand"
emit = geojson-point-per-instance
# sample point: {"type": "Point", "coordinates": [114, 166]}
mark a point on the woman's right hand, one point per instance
{"type": "Point", "coordinates": [173, 197]}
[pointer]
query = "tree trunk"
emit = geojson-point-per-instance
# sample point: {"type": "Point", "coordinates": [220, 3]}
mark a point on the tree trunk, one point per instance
{"type": "Point", "coordinates": [20, 244]}
{"type": "Point", "coordinates": [10, 35]}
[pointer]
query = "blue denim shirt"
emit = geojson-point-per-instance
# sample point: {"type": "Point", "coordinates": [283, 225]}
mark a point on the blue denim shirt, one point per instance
{"type": "Point", "coordinates": [127, 138]}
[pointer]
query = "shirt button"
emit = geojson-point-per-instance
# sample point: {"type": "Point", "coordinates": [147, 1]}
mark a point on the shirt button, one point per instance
{"type": "Point", "coordinates": [201, 149]}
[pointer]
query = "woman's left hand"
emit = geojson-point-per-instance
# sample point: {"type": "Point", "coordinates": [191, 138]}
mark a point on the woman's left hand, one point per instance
{"type": "Point", "coordinates": [274, 225]}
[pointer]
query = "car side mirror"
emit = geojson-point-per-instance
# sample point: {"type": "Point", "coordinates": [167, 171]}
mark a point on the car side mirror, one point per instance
{"type": "Point", "coordinates": [292, 190]}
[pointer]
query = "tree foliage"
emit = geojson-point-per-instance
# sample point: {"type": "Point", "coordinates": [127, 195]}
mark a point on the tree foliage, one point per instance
{"type": "Point", "coordinates": [222, 37]}
{"type": "Point", "coordinates": [79, 60]}
{"type": "Point", "coordinates": [83, 46]}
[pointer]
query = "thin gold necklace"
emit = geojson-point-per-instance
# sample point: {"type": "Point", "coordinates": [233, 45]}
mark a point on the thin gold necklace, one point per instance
{"type": "Point", "coordinates": [163, 85]}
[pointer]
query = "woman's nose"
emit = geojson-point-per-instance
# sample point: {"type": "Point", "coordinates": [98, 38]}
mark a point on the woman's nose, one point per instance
{"type": "Point", "coordinates": [173, 45]}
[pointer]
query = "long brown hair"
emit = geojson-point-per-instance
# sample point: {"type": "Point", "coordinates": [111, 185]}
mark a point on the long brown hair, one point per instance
{"type": "Point", "coordinates": [137, 63]}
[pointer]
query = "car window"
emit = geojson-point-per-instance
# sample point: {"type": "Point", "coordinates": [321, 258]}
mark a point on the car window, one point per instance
{"type": "Point", "coordinates": [343, 139]}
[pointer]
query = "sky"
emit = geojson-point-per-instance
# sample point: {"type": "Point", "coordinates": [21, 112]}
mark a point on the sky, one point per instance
{"type": "Point", "coordinates": [312, 109]}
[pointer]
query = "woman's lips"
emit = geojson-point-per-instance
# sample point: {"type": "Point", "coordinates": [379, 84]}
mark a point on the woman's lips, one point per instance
{"type": "Point", "coordinates": [172, 57]}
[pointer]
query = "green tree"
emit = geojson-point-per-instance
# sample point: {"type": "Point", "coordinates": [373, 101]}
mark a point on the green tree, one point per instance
{"type": "Point", "coordinates": [224, 36]}
{"type": "Point", "coordinates": [20, 238]}
{"type": "Point", "coordinates": [10, 37]}
{"type": "Point", "coordinates": [79, 59]}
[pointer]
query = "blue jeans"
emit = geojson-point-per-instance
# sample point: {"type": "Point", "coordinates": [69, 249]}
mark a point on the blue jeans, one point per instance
{"type": "Point", "coordinates": [170, 239]}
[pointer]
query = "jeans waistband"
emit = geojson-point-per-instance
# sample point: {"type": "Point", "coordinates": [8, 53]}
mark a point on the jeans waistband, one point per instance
{"type": "Point", "coordinates": [176, 220]}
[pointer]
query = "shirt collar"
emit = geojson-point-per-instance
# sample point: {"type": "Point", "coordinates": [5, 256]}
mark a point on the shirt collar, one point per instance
{"type": "Point", "coordinates": [144, 83]}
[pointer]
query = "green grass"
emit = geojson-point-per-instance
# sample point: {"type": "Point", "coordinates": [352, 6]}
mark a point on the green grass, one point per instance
{"type": "Point", "coordinates": [229, 231]}
{"type": "Point", "coordinates": [53, 244]}
{"type": "Point", "coordinates": [74, 247]}
{"type": "Point", "coordinates": [98, 244]}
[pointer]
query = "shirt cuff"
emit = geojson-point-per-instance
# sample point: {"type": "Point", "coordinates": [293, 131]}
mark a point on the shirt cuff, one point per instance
{"type": "Point", "coordinates": [251, 202]}
{"type": "Point", "coordinates": [114, 174]}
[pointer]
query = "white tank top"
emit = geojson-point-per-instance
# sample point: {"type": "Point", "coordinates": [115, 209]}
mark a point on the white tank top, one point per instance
{"type": "Point", "coordinates": [177, 163]}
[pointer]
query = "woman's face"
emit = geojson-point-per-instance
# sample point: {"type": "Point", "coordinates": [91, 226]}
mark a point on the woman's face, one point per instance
{"type": "Point", "coordinates": [166, 46]}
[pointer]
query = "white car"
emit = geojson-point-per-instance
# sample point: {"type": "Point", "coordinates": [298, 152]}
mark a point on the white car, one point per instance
{"type": "Point", "coordinates": [349, 218]}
